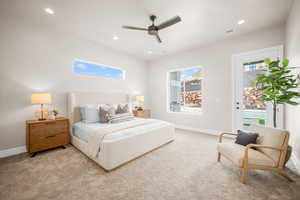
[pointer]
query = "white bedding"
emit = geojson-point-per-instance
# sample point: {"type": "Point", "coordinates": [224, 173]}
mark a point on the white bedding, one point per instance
{"type": "Point", "coordinates": [96, 133]}
{"type": "Point", "coordinates": [83, 130]}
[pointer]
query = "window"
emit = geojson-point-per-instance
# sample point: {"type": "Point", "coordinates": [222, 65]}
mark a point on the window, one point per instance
{"type": "Point", "coordinates": [185, 90]}
{"type": "Point", "coordinates": [92, 69]}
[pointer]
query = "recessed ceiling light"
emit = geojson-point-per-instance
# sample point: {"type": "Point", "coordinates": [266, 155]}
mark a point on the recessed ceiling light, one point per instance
{"type": "Point", "coordinates": [115, 37]}
{"type": "Point", "coordinates": [49, 11]}
{"type": "Point", "coordinates": [241, 22]}
{"type": "Point", "coordinates": [150, 52]}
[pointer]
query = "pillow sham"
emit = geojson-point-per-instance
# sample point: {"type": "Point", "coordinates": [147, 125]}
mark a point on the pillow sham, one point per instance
{"type": "Point", "coordinates": [116, 118]}
{"type": "Point", "coordinates": [105, 110]}
{"type": "Point", "coordinates": [89, 113]}
{"type": "Point", "coordinates": [245, 138]}
{"type": "Point", "coordinates": [122, 108]}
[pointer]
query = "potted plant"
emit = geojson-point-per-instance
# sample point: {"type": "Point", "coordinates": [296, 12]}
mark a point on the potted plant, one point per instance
{"type": "Point", "coordinates": [55, 113]}
{"type": "Point", "coordinates": [278, 86]}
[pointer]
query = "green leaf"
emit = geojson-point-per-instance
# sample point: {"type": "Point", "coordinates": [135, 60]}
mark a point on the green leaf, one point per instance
{"type": "Point", "coordinates": [292, 103]}
{"type": "Point", "coordinates": [252, 84]}
{"type": "Point", "coordinates": [285, 62]}
{"type": "Point", "coordinates": [267, 61]}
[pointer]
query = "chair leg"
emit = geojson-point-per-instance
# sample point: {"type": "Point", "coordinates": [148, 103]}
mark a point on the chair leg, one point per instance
{"type": "Point", "coordinates": [219, 156]}
{"type": "Point", "coordinates": [244, 175]}
{"type": "Point", "coordinates": [282, 173]}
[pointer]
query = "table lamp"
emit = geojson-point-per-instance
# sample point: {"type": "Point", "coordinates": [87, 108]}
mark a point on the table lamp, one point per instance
{"type": "Point", "coordinates": [41, 98]}
{"type": "Point", "coordinates": [140, 102]}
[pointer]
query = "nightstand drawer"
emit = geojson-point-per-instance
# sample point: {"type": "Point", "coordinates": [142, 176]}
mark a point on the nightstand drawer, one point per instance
{"type": "Point", "coordinates": [55, 129]}
{"type": "Point", "coordinates": [48, 129]}
{"type": "Point", "coordinates": [39, 144]}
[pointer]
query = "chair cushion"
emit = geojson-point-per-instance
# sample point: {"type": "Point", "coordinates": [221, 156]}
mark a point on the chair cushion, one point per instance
{"type": "Point", "coordinates": [270, 137]}
{"type": "Point", "coordinates": [235, 153]}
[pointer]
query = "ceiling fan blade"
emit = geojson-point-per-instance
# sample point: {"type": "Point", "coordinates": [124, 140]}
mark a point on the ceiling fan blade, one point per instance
{"type": "Point", "coordinates": [135, 28]}
{"type": "Point", "coordinates": [169, 22]}
{"type": "Point", "coordinates": [158, 38]}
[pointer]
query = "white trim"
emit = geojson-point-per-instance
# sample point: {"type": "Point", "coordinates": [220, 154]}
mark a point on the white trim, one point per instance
{"type": "Point", "coordinates": [13, 151]}
{"type": "Point", "coordinates": [200, 130]}
{"type": "Point", "coordinates": [296, 162]}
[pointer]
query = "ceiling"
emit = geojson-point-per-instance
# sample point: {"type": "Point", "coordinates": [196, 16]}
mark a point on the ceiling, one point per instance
{"type": "Point", "coordinates": [203, 21]}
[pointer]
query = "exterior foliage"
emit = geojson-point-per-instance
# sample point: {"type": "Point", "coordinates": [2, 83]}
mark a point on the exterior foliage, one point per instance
{"type": "Point", "coordinates": [278, 84]}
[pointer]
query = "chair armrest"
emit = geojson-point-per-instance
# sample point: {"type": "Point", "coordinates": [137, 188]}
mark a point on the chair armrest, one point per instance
{"type": "Point", "coordinates": [258, 146]}
{"type": "Point", "coordinates": [222, 134]}
{"type": "Point", "coordinates": [263, 146]}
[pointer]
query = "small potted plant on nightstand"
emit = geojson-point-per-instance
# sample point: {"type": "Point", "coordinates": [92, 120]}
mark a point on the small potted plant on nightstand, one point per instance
{"type": "Point", "coordinates": [55, 113]}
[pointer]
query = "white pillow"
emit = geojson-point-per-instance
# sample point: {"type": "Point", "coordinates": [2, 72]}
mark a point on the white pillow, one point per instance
{"type": "Point", "coordinates": [90, 113]}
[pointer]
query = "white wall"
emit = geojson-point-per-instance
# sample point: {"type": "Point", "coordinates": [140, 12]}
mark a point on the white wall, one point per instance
{"type": "Point", "coordinates": [36, 58]}
{"type": "Point", "coordinates": [216, 61]}
{"type": "Point", "coordinates": [293, 53]}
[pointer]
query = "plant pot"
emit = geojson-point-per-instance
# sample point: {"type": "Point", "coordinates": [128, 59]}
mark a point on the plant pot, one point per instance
{"type": "Point", "coordinates": [288, 154]}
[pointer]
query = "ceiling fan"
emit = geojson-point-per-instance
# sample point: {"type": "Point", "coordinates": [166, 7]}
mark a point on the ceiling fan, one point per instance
{"type": "Point", "coordinates": [153, 29]}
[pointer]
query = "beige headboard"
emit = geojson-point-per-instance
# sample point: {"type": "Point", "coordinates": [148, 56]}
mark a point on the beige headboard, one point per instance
{"type": "Point", "coordinates": [75, 99]}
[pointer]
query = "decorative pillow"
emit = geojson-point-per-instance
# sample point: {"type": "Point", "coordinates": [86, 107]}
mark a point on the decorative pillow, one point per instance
{"type": "Point", "coordinates": [89, 113]}
{"type": "Point", "coordinates": [122, 108]}
{"type": "Point", "coordinates": [105, 110]}
{"type": "Point", "coordinates": [245, 138]}
{"type": "Point", "coordinates": [116, 118]}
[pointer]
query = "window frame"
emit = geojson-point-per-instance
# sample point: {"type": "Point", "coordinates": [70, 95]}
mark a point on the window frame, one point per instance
{"type": "Point", "coordinates": [168, 91]}
{"type": "Point", "coordinates": [95, 63]}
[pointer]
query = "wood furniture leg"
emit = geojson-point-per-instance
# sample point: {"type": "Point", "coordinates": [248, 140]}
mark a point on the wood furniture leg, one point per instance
{"type": "Point", "coordinates": [282, 173]}
{"type": "Point", "coordinates": [244, 175]}
{"type": "Point", "coordinates": [219, 156]}
{"type": "Point", "coordinates": [33, 155]}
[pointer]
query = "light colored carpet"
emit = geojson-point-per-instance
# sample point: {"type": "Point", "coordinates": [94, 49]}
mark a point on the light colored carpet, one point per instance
{"type": "Point", "coordinates": [184, 169]}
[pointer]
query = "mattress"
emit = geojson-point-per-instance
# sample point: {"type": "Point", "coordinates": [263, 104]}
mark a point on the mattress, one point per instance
{"type": "Point", "coordinates": [84, 130]}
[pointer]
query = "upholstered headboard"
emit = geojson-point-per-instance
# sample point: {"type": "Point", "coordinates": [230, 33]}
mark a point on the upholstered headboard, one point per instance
{"type": "Point", "coordinates": [75, 99]}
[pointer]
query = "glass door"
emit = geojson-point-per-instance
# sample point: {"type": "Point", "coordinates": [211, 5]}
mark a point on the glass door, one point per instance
{"type": "Point", "coordinates": [248, 106]}
{"type": "Point", "coordinates": [254, 109]}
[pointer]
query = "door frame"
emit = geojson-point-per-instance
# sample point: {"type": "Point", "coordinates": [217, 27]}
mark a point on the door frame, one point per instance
{"type": "Point", "coordinates": [248, 56]}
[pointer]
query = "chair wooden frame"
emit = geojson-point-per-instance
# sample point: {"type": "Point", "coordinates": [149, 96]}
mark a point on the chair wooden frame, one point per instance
{"type": "Point", "coordinates": [246, 166]}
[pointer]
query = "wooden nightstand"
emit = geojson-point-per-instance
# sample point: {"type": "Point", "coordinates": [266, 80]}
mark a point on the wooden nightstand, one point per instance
{"type": "Point", "coordinates": [46, 134]}
{"type": "Point", "coordinates": [146, 113]}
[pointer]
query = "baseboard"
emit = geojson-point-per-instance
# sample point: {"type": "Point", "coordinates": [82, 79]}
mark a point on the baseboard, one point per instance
{"type": "Point", "coordinates": [12, 151]}
{"type": "Point", "coordinates": [296, 162]}
{"type": "Point", "coordinates": [201, 130]}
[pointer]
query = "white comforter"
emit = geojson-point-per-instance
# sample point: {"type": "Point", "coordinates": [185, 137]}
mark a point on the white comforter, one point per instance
{"type": "Point", "coordinates": [96, 138]}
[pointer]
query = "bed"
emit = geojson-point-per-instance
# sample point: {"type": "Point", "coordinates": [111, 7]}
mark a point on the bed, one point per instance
{"type": "Point", "coordinates": [125, 142]}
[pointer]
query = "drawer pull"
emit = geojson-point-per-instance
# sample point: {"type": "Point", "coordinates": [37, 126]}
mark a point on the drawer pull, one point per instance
{"type": "Point", "coordinates": [50, 136]}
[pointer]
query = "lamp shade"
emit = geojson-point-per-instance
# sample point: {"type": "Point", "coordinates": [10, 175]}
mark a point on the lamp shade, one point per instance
{"type": "Point", "coordinates": [41, 98]}
{"type": "Point", "coordinates": [140, 98]}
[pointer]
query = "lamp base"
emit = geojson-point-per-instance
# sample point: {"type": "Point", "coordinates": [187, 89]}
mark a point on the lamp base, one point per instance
{"type": "Point", "coordinates": [41, 119]}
